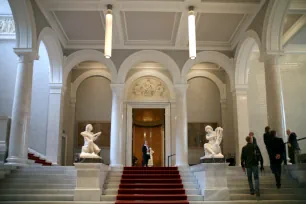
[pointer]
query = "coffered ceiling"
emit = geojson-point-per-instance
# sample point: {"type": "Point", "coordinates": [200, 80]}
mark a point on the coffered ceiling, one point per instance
{"type": "Point", "coordinates": [149, 24]}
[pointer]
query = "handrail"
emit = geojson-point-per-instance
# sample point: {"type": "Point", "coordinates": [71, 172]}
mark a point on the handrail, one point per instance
{"type": "Point", "coordinates": [169, 158]}
{"type": "Point", "coordinates": [303, 138]}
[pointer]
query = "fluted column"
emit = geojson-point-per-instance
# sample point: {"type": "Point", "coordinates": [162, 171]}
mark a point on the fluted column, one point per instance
{"type": "Point", "coordinates": [53, 151]}
{"type": "Point", "coordinates": [181, 125]}
{"type": "Point", "coordinates": [18, 142]}
{"type": "Point", "coordinates": [275, 100]}
{"type": "Point", "coordinates": [116, 144]}
{"type": "Point", "coordinates": [241, 120]}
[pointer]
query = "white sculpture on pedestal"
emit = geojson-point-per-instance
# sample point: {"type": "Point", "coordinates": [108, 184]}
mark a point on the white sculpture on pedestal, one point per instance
{"type": "Point", "coordinates": [90, 149]}
{"type": "Point", "coordinates": [212, 148]}
{"type": "Point", "coordinates": [150, 162]}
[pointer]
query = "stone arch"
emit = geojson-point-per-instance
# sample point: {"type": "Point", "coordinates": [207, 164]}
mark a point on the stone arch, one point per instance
{"type": "Point", "coordinates": [75, 85]}
{"type": "Point", "coordinates": [24, 24]}
{"type": "Point", "coordinates": [273, 26]}
{"type": "Point", "coordinates": [149, 55]}
{"type": "Point", "coordinates": [55, 53]}
{"type": "Point", "coordinates": [85, 55]}
{"type": "Point", "coordinates": [211, 56]}
{"type": "Point", "coordinates": [201, 73]}
{"type": "Point", "coordinates": [153, 73]}
{"type": "Point", "coordinates": [243, 51]}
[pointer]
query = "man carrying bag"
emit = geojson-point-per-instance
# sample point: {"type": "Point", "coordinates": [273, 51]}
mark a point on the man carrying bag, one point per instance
{"type": "Point", "coordinates": [250, 156]}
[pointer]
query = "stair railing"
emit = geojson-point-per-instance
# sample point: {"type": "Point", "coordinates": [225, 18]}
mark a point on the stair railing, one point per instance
{"type": "Point", "coordinates": [169, 158]}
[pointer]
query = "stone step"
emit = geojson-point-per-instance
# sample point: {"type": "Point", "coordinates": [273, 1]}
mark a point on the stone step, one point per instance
{"type": "Point", "coordinates": [261, 181]}
{"type": "Point", "coordinates": [119, 174]}
{"type": "Point", "coordinates": [269, 191]}
{"type": "Point", "coordinates": [35, 197]}
{"type": "Point", "coordinates": [190, 202]}
{"type": "Point", "coordinates": [189, 197]}
{"type": "Point", "coordinates": [268, 197]}
{"type": "Point", "coordinates": [116, 185]}
{"type": "Point", "coordinates": [262, 185]}
{"type": "Point", "coordinates": [38, 180]}
{"type": "Point", "coordinates": [114, 191]}
{"type": "Point", "coordinates": [40, 172]}
{"type": "Point", "coordinates": [184, 179]}
{"type": "Point", "coordinates": [36, 191]}
{"type": "Point", "coordinates": [41, 176]}
{"type": "Point", "coordinates": [36, 186]}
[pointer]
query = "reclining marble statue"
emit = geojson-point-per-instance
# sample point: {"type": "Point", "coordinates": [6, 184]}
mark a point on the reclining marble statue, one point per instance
{"type": "Point", "coordinates": [90, 149]}
{"type": "Point", "coordinates": [212, 148]}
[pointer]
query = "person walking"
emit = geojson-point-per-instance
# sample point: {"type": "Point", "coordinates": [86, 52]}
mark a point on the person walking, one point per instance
{"type": "Point", "coordinates": [250, 157]}
{"type": "Point", "coordinates": [277, 152]}
{"type": "Point", "coordinates": [251, 134]}
{"type": "Point", "coordinates": [293, 146]}
{"type": "Point", "coordinates": [267, 140]}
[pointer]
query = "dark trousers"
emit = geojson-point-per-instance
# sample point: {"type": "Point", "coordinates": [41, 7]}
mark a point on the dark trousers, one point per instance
{"type": "Point", "coordinates": [277, 171]}
{"type": "Point", "coordinates": [292, 155]}
{"type": "Point", "coordinates": [145, 160]}
{"type": "Point", "coordinates": [250, 172]}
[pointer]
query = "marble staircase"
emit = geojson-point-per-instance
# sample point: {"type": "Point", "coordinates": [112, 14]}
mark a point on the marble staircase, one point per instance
{"type": "Point", "coordinates": [239, 188]}
{"type": "Point", "coordinates": [112, 182]}
{"type": "Point", "coordinates": [39, 183]}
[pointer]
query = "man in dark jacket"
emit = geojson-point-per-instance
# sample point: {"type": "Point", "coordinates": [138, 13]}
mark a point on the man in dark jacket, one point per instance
{"type": "Point", "coordinates": [250, 156]}
{"type": "Point", "coordinates": [277, 152]}
{"type": "Point", "coordinates": [293, 146]}
{"type": "Point", "coordinates": [267, 139]}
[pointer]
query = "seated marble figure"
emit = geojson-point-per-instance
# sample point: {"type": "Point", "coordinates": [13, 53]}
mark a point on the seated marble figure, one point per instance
{"type": "Point", "coordinates": [212, 149]}
{"type": "Point", "coordinates": [90, 149]}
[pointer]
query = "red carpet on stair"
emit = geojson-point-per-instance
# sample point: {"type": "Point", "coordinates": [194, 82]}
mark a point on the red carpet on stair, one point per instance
{"type": "Point", "coordinates": [154, 185]}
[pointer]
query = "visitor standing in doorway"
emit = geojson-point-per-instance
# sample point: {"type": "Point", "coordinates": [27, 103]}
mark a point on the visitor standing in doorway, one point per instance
{"type": "Point", "coordinates": [145, 154]}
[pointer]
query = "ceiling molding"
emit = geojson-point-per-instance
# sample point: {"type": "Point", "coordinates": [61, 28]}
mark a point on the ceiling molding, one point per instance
{"type": "Point", "coordinates": [52, 22]}
{"type": "Point", "coordinates": [295, 28]}
{"type": "Point", "coordinates": [179, 35]}
{"type": "Point", "coordinates": [297, 7]}
{"type": "Point", "coordinates": [243, 28]}
{"type": "Point", "coordinates": [295, 49]}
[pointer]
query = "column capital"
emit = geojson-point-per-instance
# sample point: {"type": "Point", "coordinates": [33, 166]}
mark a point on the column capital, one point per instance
{"type": "Point", "coordinates": [117, 88]}
{"type": "Point", "coordinates": [223, 103]}
{"type": "Point", "coordinates": [72, 101]}
{"type": "Point", "coordinates": [240, 90]}
{"type": "Point", "coordinates": [56, 88]}
{"type": "Point", "coordinates": [26, 54]}
{"type": "Point", "coordinates": [181, 87]}
{"type": "Point", "coordinates": [272, 58]}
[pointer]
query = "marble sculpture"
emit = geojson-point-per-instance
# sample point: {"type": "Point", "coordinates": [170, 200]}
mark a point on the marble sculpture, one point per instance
{"type": "Point", "coordinates": [90, 149]}
{"type": "Point", "coordinates": [212, 148]}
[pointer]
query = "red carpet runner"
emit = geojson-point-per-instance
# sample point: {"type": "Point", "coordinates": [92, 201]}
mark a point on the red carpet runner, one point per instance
{"type": "Point", "coordinates": [154, 185]}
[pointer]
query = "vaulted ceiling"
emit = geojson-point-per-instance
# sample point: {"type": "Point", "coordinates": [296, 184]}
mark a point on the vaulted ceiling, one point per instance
{"type": "Point", "coordinates": [150, 24]}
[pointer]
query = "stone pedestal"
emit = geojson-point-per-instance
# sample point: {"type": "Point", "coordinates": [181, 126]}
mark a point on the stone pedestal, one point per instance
{"type": "Point", "coordinates": [90, 180]}
{"type": "Point", "coordinates": [4, 137]}
{"type": "Point", "coordinates": [212, 180]}
{"type": "Point", "coordinates": [212, 160]}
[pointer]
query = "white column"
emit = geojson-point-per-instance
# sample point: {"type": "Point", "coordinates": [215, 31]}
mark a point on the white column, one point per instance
{"type": "Point", "coordinates": [241, 120]}
{"type": "Point", "coordinates": [71, 137]}
{"type": "Point", "coordinates": [223, 104]}
{"type": "Point", "coordinates": [53, 151]}
{"type": "Point", "coordinates": [18, 142]}
{"type": "Point", "coordinates": [116, 144]}
{"type": "Point", "coordinates": [275, 100]}
{"type": "Point", "coordinates": [181, 125]}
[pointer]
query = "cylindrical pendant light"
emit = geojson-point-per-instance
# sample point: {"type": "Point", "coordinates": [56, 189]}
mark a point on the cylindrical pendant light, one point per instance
{"type": "Point", "coordinates": [191, 33]}
{"type": "Point", "coordinates": [108, 32]}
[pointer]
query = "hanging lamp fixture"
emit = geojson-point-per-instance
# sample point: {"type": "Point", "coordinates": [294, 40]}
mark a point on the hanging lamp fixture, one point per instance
{"type": "Point", "coordinates": [108, 31]}
{"type": "Point", "coordinates": [191, 33]}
